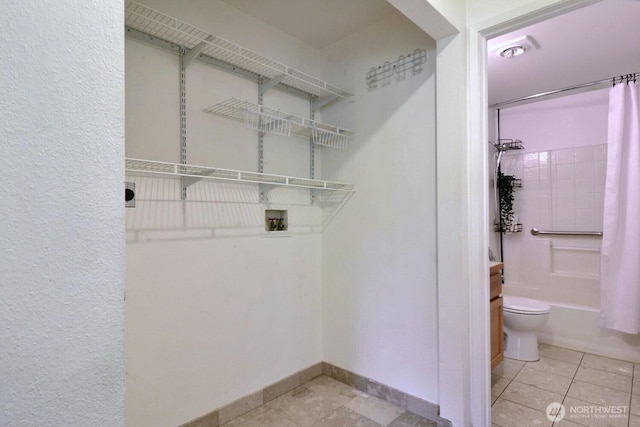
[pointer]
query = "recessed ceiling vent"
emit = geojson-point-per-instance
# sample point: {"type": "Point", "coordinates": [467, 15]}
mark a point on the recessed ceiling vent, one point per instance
{"type": "Point", "coordinates": [516, 47]}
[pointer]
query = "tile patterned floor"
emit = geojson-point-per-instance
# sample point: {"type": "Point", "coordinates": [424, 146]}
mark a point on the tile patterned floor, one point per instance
{"type": "Point", "coordinates": [586, 385]}
{"type": "Point", "coordinates": [325, 402]}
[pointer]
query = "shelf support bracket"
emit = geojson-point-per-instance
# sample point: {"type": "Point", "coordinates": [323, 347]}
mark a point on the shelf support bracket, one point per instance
{"type": "Point", "coordinates": [267, 85]}
{"type": "Point", "coordinates": [312, 148]}
{"type": "Point", "coordinates": [188, 181]}
{"type": "Point", "coordinates": [321, 102]}
{"type": "Point", "coordinates": [183, 119]}
{"type": "Point", "coordinates": [264, 189]}
{"type": "Point", "coordinates": [195, 51]}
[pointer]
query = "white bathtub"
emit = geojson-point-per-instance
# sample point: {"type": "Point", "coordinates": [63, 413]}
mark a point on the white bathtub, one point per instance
{"type": "Point", "coordinates": [576, 327]}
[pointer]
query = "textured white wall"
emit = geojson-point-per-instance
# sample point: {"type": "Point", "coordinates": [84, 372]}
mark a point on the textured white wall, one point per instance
{"type": "Point", "coordinates": [61, 216]}
{"type": "Point", "coordinates": [379, 257]}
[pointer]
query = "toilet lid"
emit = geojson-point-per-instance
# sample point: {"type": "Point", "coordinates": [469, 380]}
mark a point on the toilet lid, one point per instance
{"type": "Point", "coordinates": [524, 305]}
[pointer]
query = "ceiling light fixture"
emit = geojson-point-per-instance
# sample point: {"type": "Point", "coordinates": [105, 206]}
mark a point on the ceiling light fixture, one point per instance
{"type": "Point", "coordinates": [512, 51]}
{"type": "Point", "coordinates": [510, 48]}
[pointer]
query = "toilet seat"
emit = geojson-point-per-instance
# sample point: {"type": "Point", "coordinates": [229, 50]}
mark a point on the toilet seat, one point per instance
{"type": "Point", "coordinates": [519, 305]}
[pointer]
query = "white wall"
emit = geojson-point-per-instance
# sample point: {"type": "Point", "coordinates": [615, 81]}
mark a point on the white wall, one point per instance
{"type": "Point", "coordinates": [61, 226]}
{"type": "Point", "coordinates": [210, 319]}
{"type": "Point", "coordinates": [379, 283]}
{"type": "Point", "coordinates": [562, 168]}
{"type": "Point", "coordinates": [215, 310]}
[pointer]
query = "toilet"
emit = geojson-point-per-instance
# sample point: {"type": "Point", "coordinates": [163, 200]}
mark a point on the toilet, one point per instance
{"type": "Point", "coordinates": [523, 318]}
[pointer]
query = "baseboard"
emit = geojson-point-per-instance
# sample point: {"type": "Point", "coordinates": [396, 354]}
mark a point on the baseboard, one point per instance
{"type": "Point", "coordinates": [406, 401]}
{"type": "Point", "coordinates": [254, 400]}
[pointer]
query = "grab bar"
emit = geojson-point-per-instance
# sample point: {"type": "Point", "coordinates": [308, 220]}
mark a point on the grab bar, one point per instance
{"type": "Point", "coordinates": [536, 232]}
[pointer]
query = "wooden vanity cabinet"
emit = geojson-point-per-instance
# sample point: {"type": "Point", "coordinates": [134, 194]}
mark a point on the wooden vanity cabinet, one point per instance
{"type": "Point", "coordinates": [496, 316]}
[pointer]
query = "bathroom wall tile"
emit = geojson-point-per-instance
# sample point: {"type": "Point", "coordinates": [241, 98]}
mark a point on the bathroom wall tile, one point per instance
{"type": "Point", "coordinates": [600, 152]}
{"type": "Point", "coordinates": [604, 378]}
{"type": "Point", "coordinates": [543, 158]}
{"type": "Point", "coordinates": [586, 154]}
{"type": "Point", "coordinates": [585, 170]}
{"type": "Point", "coordinates": [554, 366]}
{"type": "Point", "coordinates": [530, 175]}
{"type": "Point", "coordinates": [585, 200]}
{"type": "Point", "coordinates": [562, 186]}
{"type": "Point", "coordinates": [598, 395]}
{"type": "Point", "coordinates": [587, 184]}
{"type": "Point", "coordinates": [513, 162]}
{"type": "Point", "coordinates": [566, 205]}
{"type": "Point", "coordinates": [530, 160]}
{"type": "Point", "coordinates": [543, 380]}
{"type": "Point", "coordinates": [608, 364]}
{"type": "Point", "coordinates": [565, 172]}
{"type": "Point", "coordinates": [509, 414]}
{"type": "Point", "coordinates": [545, 173]}
{"type": "Point", "coordinates": [530, 396]}
{"type": "Point", "coordinates": [600, 169]}
{"type": "Point", "coordinates": [584, 219]}
{"type": "Point", "coordinates": [566, 156]}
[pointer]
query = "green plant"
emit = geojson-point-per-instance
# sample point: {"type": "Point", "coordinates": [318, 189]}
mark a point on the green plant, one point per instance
{"type": "Point", "coordinates": [505, 191]}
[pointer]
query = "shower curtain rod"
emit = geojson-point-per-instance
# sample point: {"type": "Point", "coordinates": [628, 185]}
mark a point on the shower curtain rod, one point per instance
{"type": "Point", "coordinates": [611, 80]}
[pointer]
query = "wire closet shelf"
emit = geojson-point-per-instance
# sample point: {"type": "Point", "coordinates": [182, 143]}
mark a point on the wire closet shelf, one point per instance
{"type": "Point", "coordinates": [152, 167]}
{"type": "Point", "coordinates": [152, 22]}
{"type": "Point", "coordinates": [271, 121]}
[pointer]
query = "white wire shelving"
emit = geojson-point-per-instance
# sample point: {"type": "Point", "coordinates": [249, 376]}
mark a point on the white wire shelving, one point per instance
{"type": "Point", "coordinates": [267, 120]}
{"type": "Point", "coordinates": [196, 173]}
{"type": "Point", "coordinates": [152, 22]}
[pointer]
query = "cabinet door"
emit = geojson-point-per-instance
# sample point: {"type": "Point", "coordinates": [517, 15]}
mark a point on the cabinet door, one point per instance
{"type": "Point", "coordinates": [495, 285]}
{"type": "Point", "coordinates": [497, 336]}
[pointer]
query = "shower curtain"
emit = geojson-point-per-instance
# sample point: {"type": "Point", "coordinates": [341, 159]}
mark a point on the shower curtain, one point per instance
{"type": "Point", "coordinates": [620, 253]}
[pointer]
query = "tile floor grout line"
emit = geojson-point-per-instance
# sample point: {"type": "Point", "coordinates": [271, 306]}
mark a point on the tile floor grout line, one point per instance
{"type": "Point", "coordinates": [505, 387]}
{"type": "Point", "coordinates": [633, 375]}
{"type": "Point", "coordinates": [600, 369]}
{"type": "Point", "coordinates": [566, 393]}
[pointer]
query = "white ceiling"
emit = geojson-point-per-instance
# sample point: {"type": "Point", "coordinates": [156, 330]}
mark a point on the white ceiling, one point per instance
{"type": "Point", "coordinates": [589, 44]}
{"type": "Point", "coordinates": [592, 43]}
{"type": "Point", "coordinates": [317, 23]}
